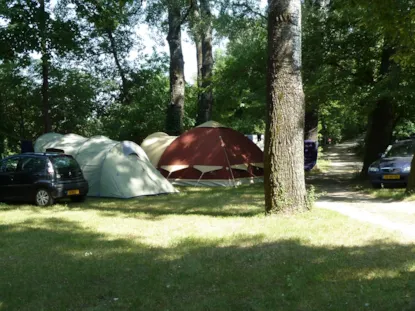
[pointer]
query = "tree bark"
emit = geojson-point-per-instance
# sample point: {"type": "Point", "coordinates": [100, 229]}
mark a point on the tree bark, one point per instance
{"type": "Point", "coordinates": [45, 69]}
{"type": "Point", "coordinates": [381, 121]}
{"type": "Point", "coordinates": [175, 111]}
{"type": "Point", "coordinates": [284, 139]}
{"type": "Point", "coordinates": [195, 30]}
{"type": "Point", "coordinates": [124, 83]}
{"type": "Point", "coordinates": [206, 100]}
{"type": "Point", "coordinates": [199, 59]}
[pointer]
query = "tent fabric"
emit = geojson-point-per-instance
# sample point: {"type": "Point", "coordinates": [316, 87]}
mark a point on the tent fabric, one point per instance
{"type": "Point", "coordinates": [209, 155]}
{"type": "Point", "coordinates": [112, 168]}
{"type": "Point", "coordinates": [212, 124]}
{"type": "Point", "coordinates": [155, 144]}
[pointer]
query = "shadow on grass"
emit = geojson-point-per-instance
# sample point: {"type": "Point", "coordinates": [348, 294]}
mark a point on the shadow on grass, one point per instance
{"type": "Point", "coordinates": [244, 201]}
{"type": "Point", "coordinates": [53, 264]}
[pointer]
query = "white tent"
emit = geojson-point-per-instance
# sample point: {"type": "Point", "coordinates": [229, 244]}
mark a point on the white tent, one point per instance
{"type": "Point", "coordinates": [112, 168]}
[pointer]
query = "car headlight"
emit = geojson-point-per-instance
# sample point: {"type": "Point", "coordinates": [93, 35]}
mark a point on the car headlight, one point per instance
{"type": "Point", "coordinates": [406, 169]}
{"type": "Point", "coordinates": [373, 169]}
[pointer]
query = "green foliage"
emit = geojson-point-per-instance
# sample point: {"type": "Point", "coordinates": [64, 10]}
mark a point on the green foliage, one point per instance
{"type": "Point", "coordinates": [239, 82]}
{"type": "Point", "coordinates": [25, 26]}
{"type": "Point", "coordinates": [404, 129]}
{"type": "Point", "coordinates": [146, 113]}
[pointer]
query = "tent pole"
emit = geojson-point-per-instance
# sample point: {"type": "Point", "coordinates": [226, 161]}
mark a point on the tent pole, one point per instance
{"type": "Point", "coordinates": [200, 177]}
{"type": "Point", "coordinates": [227, 160]}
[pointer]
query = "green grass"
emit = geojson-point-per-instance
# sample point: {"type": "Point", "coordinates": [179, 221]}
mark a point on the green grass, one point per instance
{"type": "Point", "coordinates": [322, 166]}
{"type": "Point", "coordinates": [392, 194]}
{"type": "Point", "coordinates": [202, 249]}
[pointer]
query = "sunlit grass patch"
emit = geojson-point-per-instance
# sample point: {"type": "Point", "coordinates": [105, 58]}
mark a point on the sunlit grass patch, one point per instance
{"type": "Point", "coordinates": [202, 249]}
{"type": "Point", "coordinates": [388, 193]}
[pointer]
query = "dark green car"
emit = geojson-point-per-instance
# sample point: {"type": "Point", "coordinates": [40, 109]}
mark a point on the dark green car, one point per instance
{"type": "Point", "coordinates": [41, 178]}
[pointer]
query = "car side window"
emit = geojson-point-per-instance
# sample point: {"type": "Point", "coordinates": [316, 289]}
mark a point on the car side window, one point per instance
{"type": "Point", "coordinates": [33, 165]}
{"type": "Point", "coordinates": [9, 165]}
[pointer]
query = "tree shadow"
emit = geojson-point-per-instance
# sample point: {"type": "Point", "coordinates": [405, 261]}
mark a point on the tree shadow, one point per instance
{"type": "Point", "coordinates": [243, 201]}
{"type": "Point", "coordinates": [53, 264]}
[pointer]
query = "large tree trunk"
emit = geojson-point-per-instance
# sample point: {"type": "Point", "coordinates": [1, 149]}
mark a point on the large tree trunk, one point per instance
{"type": "Point", "coordinates": [45, 70]}
{"type": "Point", "coordinates": [175, 111]}
{"type": "Point", "coordinates": [410, 189]}
{"type": "Point", "coordinates": [284, 139]}
{"type": "Point", "coordinates": [379, 134]}
{"type": "Point", "coordinates": [206, 100]}
{"type": "Point", "coordinates": [381, 121]}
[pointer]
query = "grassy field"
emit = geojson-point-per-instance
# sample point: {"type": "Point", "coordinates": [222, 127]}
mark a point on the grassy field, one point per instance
{"type": "Point", "coordinates": [393, 194]}
{"type": "Point", "coordinates": [202, 249]}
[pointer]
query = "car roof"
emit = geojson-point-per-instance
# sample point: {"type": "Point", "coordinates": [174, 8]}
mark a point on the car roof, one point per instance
{"type": "Point", "coordinates": [38, 154]}
{"type": "Point", "coordinates": [405, 141]}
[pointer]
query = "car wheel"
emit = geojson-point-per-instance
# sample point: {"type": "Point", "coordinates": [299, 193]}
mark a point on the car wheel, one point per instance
{"type": "Point", "coordinates": [43, 198]}
{"type": "Point", "coordinates": [377, 185]}
{"type": "Point", "coordinates": [78, 199]}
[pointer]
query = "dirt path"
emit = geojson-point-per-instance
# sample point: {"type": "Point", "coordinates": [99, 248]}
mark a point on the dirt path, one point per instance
{"type": "Point", "coordinates": [338, 195]}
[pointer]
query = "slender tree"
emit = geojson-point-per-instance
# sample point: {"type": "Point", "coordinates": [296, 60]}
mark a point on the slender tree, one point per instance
{"type": "Point", "coordinates": [206, 98]}
{"type": "Point", "coordinates": [44, 48]}
{"type": "Point", "coordinates": [284, 145]}
{"type": "Point", "coordinates": [111, 28]}
{"type": "Point", "coordinates": [31, 27]}
{"type": "Point", "coordinates": [175, 110]}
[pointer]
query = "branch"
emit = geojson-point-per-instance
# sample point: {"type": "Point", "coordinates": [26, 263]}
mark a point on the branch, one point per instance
{"type": "Point", "coordinates": [189, 9]}
{"type": "Point", "coordinates": [251, 10]}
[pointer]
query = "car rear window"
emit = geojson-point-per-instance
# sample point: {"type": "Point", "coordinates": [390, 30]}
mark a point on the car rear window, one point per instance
{"type": "Point", "coordinates": [66, 167]}
{"type": "Point", "coordinates": [401, 150]}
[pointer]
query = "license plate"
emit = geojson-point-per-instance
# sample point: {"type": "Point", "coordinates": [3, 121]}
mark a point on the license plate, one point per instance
{"type": "Point", "coordinates": [391, 176]}
{"type": "Point", "coordinates": [73, 192]}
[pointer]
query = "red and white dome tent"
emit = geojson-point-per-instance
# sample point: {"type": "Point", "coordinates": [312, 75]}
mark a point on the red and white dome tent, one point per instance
{"type": "Point", "coordinates": [207, 155]}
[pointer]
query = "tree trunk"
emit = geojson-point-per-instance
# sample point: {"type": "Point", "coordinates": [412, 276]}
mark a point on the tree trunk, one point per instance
{"type": "Point", "coordinates": [311, 124]}
{"type": "Point", "coordinates": [206, 102]}
{"type": "Point", "coordinates": [2, 145]}
{"type": "Point", "coordinates": [124, 83]}
{"type": "Point", "coordinates": [284, 139]}
{"type": "Point", "coordinates": [195, 29]}
{"type": "Point", "coordinates": [379, 134]}
{"type": "Point", "coordinates": [199, 58]}
{"type": "Point", "coordinates": [175, 111]}
{"type": "Point", "coordinates": [45, 70]}
{"type": "Point", "coordinates": [381, 121]}
{"type": "Point", "coordinates": [410, 189]}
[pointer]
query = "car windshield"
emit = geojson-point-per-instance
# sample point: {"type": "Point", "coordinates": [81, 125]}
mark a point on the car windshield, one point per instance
{"type": "Point", "coordinates": [406, 149]}
{"type": "Point", "coordinates": [66, 167]}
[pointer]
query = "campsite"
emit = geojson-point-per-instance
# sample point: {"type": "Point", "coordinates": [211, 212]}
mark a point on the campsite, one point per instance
{"type": "Point", "coordinates": [207, 155]}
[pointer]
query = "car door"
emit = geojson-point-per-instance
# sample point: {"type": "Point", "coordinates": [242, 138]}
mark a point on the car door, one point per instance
{"type": "Point", "coordinates": [30, 170]}
{"type": "Point", "coordinates": [7, 173]}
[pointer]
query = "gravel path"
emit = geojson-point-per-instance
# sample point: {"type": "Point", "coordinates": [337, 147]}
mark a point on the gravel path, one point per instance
{"type": "Point", "coordinates": [340, 197]}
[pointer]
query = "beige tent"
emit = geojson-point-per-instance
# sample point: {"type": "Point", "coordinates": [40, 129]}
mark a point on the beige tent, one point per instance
{"type": "Point", "coordinates": [112, 168]}
{"type": "Point", "coordinates": [155, 144]}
